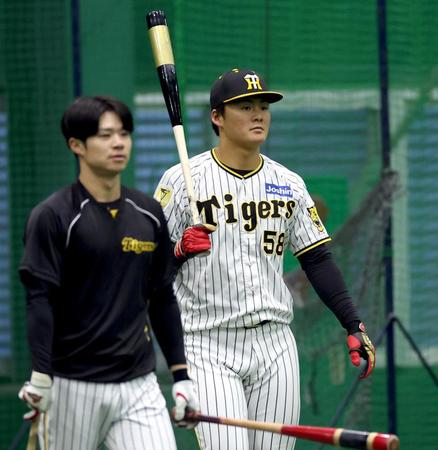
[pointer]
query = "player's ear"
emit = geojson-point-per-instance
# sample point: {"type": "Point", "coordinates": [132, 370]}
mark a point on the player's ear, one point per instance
{"type": "Point", "coordinates": [216, 117]}
{"type": "Point", "coordinates": [76, 146]}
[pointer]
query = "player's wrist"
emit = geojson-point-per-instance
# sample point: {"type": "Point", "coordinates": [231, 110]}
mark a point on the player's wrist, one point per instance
{"type": "Point", "coordinates": [353, 326]}
{"type": "Point", "coordinates": [41, 380]}
{"type": "Point", "coordinates": [180, 374]}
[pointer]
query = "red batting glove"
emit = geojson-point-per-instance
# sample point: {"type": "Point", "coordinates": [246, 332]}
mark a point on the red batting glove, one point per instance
{"type": "Point", "coordinates": [195, 240]}
{"type": "Point", "coordinates": [360, 346]}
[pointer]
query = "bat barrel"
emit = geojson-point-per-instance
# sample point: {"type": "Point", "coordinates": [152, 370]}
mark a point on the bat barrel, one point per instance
{"type": "Point", "coordinates": [365, 440]}
{"type": "Point", "coordinates": [340, 437]}
{"type": "Point", "coordinates": [384, 441]}
{"type": "Point", "coordinates": [155, 18]}
{"type": "Point", "coordinates": [361, 440]}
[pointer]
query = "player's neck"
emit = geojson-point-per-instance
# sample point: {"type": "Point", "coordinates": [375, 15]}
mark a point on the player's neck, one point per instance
{"type": "Point", "coordinates": [242, 158]}
{"type": "Point", "coordinates": [103, 189]}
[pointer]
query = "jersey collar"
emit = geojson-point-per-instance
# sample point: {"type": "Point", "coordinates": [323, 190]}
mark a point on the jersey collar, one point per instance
{"type": "Point", "coordinates": [233, 172]}
{"type": "Point", "coordinates": [116, 204]}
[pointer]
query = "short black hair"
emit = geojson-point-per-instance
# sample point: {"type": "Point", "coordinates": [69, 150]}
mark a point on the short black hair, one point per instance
{"type": "Point", "coordinates": [221, 111]}
{"type": "Point", "coordinates": [81, 119]}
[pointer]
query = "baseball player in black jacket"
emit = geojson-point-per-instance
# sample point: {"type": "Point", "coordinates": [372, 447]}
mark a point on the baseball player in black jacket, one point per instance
{"type": "Point", "coordinates": [96, 268]}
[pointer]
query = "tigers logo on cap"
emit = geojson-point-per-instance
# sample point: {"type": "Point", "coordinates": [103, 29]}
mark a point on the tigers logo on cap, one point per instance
{"type": "Point", "coordinates": [237, 84]}
{"type": "Point", "coordinates": [253, 81]}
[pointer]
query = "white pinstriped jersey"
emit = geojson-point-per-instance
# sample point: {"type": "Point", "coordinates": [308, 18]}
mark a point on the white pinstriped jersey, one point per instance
{"type": "Point", "coordinates": [257, 216]}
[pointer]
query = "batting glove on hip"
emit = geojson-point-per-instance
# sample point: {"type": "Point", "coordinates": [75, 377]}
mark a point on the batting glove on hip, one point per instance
{"type": "Point", "coordinates": [194, 241]}
{"type": "Point", "coordinates": [186, 403]}
{"type": "Point", "coordinates": [36, 393]}
{"type": "Point", "coordinates": [360, 346]}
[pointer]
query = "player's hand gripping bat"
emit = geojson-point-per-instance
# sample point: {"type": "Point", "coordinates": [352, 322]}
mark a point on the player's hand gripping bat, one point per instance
{"type": "Point", "coordinates": [340, 437]}
{"type": "Point", "coordinates": [164, 61]}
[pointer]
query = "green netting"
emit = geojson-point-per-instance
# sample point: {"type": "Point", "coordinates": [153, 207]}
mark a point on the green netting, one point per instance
{"type": "Point", "coordinates": [324, 57]}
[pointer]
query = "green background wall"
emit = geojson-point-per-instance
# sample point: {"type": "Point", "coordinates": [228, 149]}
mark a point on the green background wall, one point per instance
{"type": "Point", "coordinates": [314, 52]}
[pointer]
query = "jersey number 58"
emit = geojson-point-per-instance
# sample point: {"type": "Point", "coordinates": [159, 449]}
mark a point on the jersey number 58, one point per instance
{"type": "Point", "coordinates": [273, 242]}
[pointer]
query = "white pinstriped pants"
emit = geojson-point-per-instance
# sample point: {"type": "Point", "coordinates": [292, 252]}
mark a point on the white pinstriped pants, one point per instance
{"type": "Point", "coordinates": [245, 373]}
{"type": "Point", "coordinates": [124, 416]}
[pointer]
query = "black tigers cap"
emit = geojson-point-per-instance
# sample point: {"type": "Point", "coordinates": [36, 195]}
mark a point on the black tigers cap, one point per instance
{"type": "Point", "coordinates": [240, 83]}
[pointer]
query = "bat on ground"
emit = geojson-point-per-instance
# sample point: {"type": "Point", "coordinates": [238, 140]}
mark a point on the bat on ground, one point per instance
{"type": "Point", "coordinates": [340, 437]}
{"type": "Point", "coordinates": [165, 64]}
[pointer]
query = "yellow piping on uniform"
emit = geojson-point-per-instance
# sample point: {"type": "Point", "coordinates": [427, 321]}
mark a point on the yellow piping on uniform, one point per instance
{"type": "Point", "coordinates": [232, 171]}
{"type": "Point", "coordinates": [313, 246]}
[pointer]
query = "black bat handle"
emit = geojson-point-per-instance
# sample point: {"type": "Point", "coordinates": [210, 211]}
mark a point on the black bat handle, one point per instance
{"type": "Point", "coordinates": [155, 18]}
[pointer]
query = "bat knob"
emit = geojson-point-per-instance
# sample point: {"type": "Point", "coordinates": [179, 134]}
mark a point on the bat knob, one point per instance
{"type": "Point", "coordinates": [155, 18]}
{"type": "Point", "coordinates": [394, 443]}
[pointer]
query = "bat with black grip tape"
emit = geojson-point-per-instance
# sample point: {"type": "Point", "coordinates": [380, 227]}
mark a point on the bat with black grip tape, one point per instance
{"type": "Point", "coordinates": [165, 64]}
{"type": "Point", "coordinates": [340, 437]}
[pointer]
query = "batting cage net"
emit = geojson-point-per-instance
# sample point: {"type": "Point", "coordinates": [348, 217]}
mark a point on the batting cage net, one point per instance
{"type": "Point", "coordinates": [324, 57]}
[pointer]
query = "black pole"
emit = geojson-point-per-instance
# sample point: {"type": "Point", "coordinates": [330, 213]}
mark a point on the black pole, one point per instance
{"type": "Point", "coordinates": [76, 55]}
{"type": "Point", "coordinates": [76, 49]}
{"type": "Point", "coordinates": [387, 254]}
{"type": "Point", "coordinates": [24, 428]}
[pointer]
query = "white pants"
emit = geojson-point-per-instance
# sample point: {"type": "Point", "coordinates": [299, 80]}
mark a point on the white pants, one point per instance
{"type": "Point", "coordinates": [245, 373]}
{"type": "Point", "coordinates": [124, 416]}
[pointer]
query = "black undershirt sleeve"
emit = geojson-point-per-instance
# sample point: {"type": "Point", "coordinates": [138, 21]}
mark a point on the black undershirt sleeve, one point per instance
{"type": "Point", "coordinates": [39, 319]}
{"type": "Point", "coordinates": [166, 323]}
{"type": "Point", "coordinates": [164, 311]}
{"type": "Point", "coordinates": [328, 282]}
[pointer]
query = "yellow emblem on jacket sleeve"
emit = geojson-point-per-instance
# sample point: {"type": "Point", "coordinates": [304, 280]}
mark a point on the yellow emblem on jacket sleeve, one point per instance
{"type": "Point", "coordinates": [163, 194]}
{"type": "Point", "coordinates": [315, 218]}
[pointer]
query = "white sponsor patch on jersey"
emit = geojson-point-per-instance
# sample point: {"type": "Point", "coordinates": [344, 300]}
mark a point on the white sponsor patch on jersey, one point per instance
{"type": "Point", "coordinates": [283, 191]}
{"type": "Point", "coordinates": [163, 194]}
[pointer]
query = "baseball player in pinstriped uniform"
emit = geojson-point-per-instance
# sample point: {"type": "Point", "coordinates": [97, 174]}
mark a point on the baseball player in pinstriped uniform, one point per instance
{"type": "Point", "coordinates": [235, 306]}
{"type": "Point", "coordinates": [97, 268]}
